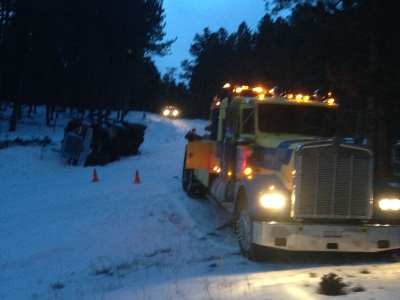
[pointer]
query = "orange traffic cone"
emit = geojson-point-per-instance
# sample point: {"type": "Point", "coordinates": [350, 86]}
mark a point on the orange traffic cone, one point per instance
{"type": "Point", "coordinates": [137, 179]}
{"type": "Point", "coordinates": [95, 178]}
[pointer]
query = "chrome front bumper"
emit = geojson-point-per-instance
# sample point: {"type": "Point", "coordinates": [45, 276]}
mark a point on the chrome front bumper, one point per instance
{"type": "Point", "coordinates": [341, 238]}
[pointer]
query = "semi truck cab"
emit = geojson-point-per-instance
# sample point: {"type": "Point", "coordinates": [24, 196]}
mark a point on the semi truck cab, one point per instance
{"type": "Point", "coordinates": [290, 179]}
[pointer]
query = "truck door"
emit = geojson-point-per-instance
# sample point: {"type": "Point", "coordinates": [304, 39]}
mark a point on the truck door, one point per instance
{"type": "Point", "coordinates": [247, 123]}
{"type": "Point", "coordinates": [228, 141]}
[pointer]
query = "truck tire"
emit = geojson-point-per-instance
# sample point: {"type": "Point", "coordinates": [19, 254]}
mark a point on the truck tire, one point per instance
{"type": "Point", "coordinates": [189, 183]}
{"type": "Point", "coordinates": [244, 231]}
{"type": "Point", "coordinates": [185, 173]}
{"type": "Point", "coordinates": [193, 188]}
{"type": "Point", "coordinates": [187, 179]}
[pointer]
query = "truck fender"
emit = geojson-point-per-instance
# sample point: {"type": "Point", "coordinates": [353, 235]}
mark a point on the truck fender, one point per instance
{"type": "Point", "coordinates": [254, 187]}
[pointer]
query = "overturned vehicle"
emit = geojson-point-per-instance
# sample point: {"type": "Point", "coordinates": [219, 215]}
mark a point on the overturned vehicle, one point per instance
{"type": "Point", "coordinates": [89, 144]}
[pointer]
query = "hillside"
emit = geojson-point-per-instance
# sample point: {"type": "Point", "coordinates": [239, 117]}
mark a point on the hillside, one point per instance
{"type": "Point", "coordinates": [63, 236]}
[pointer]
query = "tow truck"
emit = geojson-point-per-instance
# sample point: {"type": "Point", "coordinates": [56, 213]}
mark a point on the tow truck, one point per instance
{"type": "Point", "coordinates": [290, 178]}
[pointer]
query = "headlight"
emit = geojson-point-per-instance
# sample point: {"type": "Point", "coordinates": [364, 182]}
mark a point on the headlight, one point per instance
{"type": "Point", "coordinates": [389, 204]}
{"type": "Point", "coordinates": [166, 112]}
{"type": "Point", "coordinates": [175, 113]}
{"type": "Point", "coordinates": [274, 200]}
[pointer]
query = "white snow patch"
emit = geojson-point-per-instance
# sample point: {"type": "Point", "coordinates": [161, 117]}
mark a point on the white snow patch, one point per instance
{"type": "Point", "coordinates": [63, 236]}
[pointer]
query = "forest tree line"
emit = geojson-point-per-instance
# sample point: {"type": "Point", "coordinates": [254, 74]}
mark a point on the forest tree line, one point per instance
{"type": "Point", "coordinates": [80, 54]}
{"type": "Point", "coordinates": [349, 48]}
{"type": "Point", "coordinates": [99, 56]}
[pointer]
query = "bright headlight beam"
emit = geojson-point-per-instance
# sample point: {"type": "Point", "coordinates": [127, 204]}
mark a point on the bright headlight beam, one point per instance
{"type": "Point", "coordinates": [384, 204]}
{"type": "Point", "coordinates": [396, 204]}
{"type": "Point", "coordinates": [272, 201]}
{"type": "Point", "coordinates": [389, 204]}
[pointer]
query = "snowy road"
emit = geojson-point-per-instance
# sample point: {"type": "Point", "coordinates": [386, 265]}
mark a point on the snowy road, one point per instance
{"type": "Point", "coordinates": [63, 236]}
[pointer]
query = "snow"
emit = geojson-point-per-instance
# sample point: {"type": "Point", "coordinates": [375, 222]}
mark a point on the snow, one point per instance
{"type": "Point", "coordinates": [63, 236]}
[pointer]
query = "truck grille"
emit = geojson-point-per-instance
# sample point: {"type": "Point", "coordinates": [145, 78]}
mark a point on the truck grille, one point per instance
{"type": "Point", "coordinates": [333, 182]}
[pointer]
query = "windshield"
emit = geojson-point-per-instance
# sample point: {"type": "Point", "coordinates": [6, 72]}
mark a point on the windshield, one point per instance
{"type": "Point", "coordinates": [297, 119]}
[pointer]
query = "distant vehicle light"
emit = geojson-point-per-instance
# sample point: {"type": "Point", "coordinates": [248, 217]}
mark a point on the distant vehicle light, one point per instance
{"type": "Point", "coordinates": [170, 111]}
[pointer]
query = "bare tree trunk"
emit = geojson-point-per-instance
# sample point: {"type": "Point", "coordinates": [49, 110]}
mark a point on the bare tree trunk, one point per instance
{"type": "Point", "coordinates": [383, 140]}
{"type": "Point", "coordinates": [48, 114]}
{"type": "Point", "coordinates": [16, 114]}
{"type": "Point", "coordinates": [380, 111]}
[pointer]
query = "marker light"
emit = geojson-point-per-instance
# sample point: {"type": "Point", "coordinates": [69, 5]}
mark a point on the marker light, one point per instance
{"type": "Point", "coordinates": [299, 96]}
{"type": "Point", "coordinates": [248, 171]}
{"type": "Point", "coordinates": [330, 101]}
{"type": "Point", "coordinates": [217, 169]}
{"type": "Point", "coordinates": [258, 89]}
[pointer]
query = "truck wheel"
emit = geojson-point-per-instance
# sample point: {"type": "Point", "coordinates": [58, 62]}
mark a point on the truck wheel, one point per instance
{"type": "Point", "coordinates": [189, 183]}
{"type": "Point", "coordinates": [194, 188]}
{"type": "Point", "coordinates": [244, 232]}
{"type": "Point", "coordinates": [185, 177]}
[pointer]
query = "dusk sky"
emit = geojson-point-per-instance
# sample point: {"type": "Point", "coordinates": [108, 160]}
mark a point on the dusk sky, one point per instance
{"type": "Point", "coordinates": [185, 18]}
